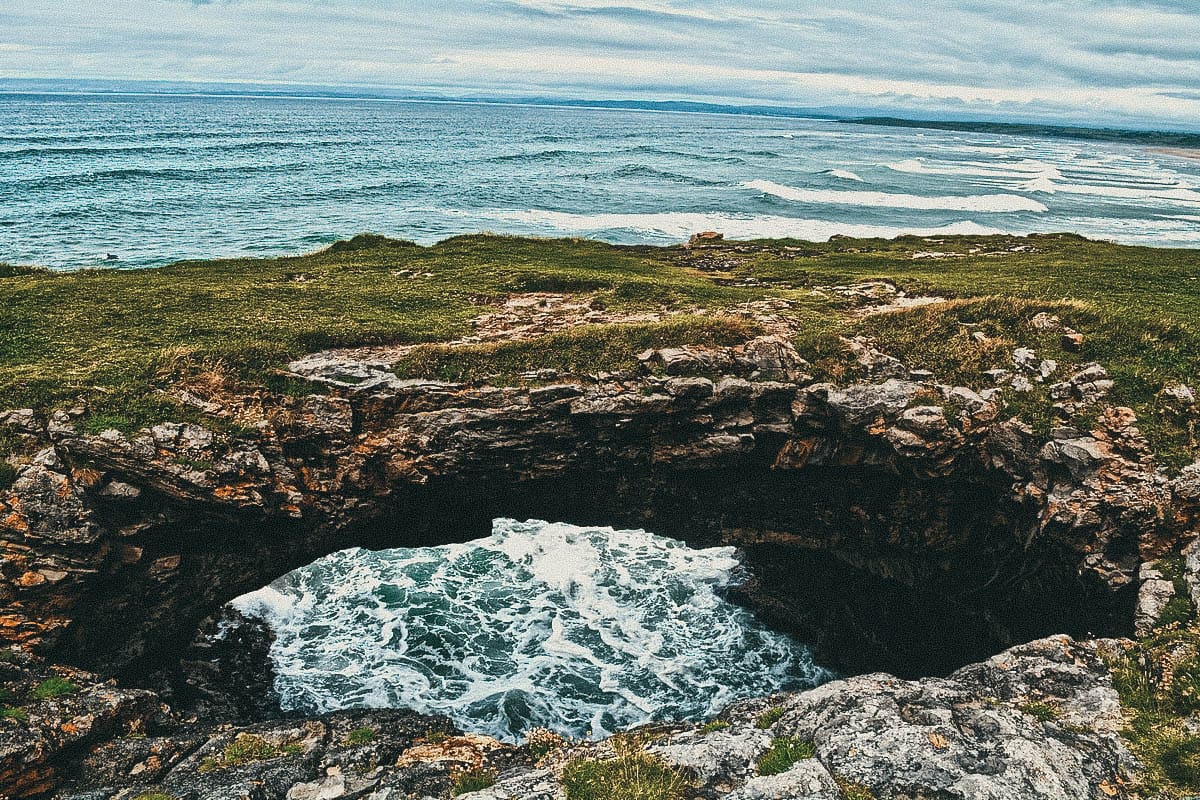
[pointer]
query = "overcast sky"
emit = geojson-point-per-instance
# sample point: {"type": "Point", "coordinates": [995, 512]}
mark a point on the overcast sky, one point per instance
{"type": "Point", "coordinates": [1097, 60]}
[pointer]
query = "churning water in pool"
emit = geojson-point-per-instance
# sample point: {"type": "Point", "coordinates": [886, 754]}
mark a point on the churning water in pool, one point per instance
{"type": "Point", "coordinates": [581, 630]}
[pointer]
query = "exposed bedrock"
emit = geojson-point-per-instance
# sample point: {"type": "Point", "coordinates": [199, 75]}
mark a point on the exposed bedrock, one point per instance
{"type": "Point", "coordinates": [899, 525]}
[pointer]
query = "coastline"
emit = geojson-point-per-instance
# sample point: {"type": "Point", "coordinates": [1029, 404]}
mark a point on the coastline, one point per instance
{"type": "Point", "coordinates": [1179, 152]}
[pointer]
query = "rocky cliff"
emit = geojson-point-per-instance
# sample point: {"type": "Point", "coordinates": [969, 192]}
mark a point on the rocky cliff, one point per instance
{"type": "Point", "coordinates": [898, 523]}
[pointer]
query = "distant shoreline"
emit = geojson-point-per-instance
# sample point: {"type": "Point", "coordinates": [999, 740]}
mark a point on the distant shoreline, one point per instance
{"type": "Point", "coordinates": [1181, 152]}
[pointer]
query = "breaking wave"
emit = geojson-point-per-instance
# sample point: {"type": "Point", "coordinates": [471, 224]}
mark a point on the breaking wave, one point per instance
{"type": "Point", "coordinates": [988, 203]}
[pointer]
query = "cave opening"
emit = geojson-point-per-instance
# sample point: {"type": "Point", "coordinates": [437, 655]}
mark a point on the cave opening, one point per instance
{"type": "Point", "coordinates": [584, 631]}
{"type": "Point", "coordinates": [872, 569]}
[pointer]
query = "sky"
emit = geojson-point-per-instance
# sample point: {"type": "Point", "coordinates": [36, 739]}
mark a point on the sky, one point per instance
{"type": "Point", "coordinates": [1095, 61]}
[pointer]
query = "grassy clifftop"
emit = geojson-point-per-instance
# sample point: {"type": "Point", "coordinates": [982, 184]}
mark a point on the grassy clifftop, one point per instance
{"type": "Point", "coordinates": [114, 336]}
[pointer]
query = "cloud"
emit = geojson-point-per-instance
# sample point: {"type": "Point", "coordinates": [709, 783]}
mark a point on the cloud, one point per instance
{"type": "Point", "coordinates": [1105, 60]}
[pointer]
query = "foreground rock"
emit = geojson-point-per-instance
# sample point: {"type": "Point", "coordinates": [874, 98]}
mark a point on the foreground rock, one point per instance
{"type": "Point", "coordinates": [1037, 721]}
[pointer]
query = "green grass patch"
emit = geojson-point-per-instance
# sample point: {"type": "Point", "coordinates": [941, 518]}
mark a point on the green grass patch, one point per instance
{"type": "Point", "coordinates": [248, 748]}
{"type": "Point", "coordinates": [472, 780]}
{"type": "Point", "coordinates": [630, 776]}
{"type": "Point", "coordinates": [11, 712]}
{"type": "Point", "coordinates": [768, 718]}
{"type": "Point", "coordinates": [785, 751]}
{"type": "Point", "coordinates": [116, 337]}
{"type": "Point", "coordinates": [155, 796]}
{"type": "Point", "coordinates": [360, 736]}
{"type": "Point", "coordinates": [1043, 712]}
{"type": "Point", "coordinates": [53, 687]}
{"type": "Point", "coordinates": [715, 725]}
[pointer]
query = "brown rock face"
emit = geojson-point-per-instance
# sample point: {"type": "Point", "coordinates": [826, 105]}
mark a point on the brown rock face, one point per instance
{"type": "Point", "coordinates": [895, 532]}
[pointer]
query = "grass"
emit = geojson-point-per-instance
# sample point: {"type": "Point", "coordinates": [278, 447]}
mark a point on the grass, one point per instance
{"type": "Point", "coordinates": [114, 337]}
{"type": "Point", "coordinates": [542, 742]}
{"type": "Point", "coordinates": [1158, 681]}
{"type": "Point", "coordinates": [629, 776]}
{"type": "Point", "coordinates": [248, 748]}
{"type": "Point", "coordinates": [852, 790]}
{"type": "Point", "coordinates": [10, 712]}
{"type": "Point", "coordinates": [768, 718]}
{"type": "Point", "coordinates": [714, 725]}
{"type": "Point", "coordinates": [360, 736]}
{"type": "Point", "coordinates": [472, 780]}
{"type": "Point", "coordinates": [1043, 712]}
{"type": "Point", "coordinates": [585, 350]}
{"type": "Point", "coordinates": [52, 688]}
{"type": "Point", "coordinates": [784, 753]}
{"type": "Point", "coordinates": [154, 796]}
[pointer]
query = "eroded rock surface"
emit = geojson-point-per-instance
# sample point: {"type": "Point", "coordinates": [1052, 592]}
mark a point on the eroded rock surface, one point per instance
{"type": "Point", "coordinates": [1037, 721]}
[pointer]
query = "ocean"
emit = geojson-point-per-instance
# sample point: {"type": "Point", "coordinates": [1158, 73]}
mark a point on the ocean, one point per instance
{"type": "Point", "coordinates": [585, 631]}
{"type": "Point", "coordinates": [153, 179]}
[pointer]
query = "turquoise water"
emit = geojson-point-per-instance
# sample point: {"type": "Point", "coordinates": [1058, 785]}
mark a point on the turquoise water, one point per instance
{"type": "Point", "coordinates": [154, 179]}
{"type": "Point", "coordinates": [582, 630]}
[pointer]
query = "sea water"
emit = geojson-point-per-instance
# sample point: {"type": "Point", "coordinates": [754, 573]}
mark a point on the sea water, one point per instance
{"type": "Point", "coordinates": [581, 630]}
{"type": "Point", "coordinates": [152, 179]}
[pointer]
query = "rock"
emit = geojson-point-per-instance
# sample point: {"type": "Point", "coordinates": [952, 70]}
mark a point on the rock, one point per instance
{"type": "Point", "coordinates": [705, 238]}
{"type": "Point", "coordinates": [119, 490]}
{"type": "Point", "coordinates": [689, 388]}
{"type": "Point", "coordinates": [1021, 384]}
{"type": "Point", "coordinates": [1072, 341]}
{"type": "Point", "coordinates": [1191, 556]}
{"type": "Point", "coordinates": [1154, 593]}
{"type": "Point", "coordinates": [862, 403]}
{"type": "Point", "coordinates": [1081, 456]}
{"type": "Point", "coordinates": [1025, 359]}
{"type": "Point", "coordinates": [808, 779]}
{"type": "Point", "coordinates": [1044, 321]}
{"type": "Point", "coordinates": [966, 399]}
{"type": "Point", "coordinates": [965, 737]}
{"type": "Point", "coordinates": [1177, 398]}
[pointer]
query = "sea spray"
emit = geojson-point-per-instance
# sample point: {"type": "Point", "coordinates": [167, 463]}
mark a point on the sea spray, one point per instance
{"type": "Point", "coordinates": [582, 630]}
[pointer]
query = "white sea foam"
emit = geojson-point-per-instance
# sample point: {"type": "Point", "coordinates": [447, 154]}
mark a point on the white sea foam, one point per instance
{"type": "Point", "coordinates": [1020, 170]}
{"type": "Point", "coordinates": [845, 174]}
{"type": "Point", "coordinates": [577, 629]}
{"type": "Point", "coordinates": [1168, 194]}
{"type": "Point", "coordinates": [990, 203]}
{"type": "Point", "coordinates": [679, 226]}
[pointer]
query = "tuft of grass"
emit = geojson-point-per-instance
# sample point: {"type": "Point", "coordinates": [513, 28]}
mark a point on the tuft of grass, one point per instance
{"type": "Point", "coordinates": [785, 751]}
{"type": "Point", "coordinates": [541, 742]}
{"type": "Point", "coordinates": [768, 718]}
{"type": "Point", "coordinates": [1043, 712]}
{"type": "Point", "coordinates": [852, 790]}
{"type": "Point", "coordinates": [1178, 610]}
{"type": "Point", "coordinates": [630, 776]}
{"type": "Point", "coordinates": [53, 687]}
{"type": "Point", "coordinates": [11, 712]}
{"type": "Point", "coordinates": [360, 736]}
{"type": "Point", "coordinates": [714, 725]}
{"type": "Point", "coordinates": [472, 780]}
{"type": "Point", "coordinates": [248, 748]}
{"type": "Point", "coordinates": [155, 796]}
